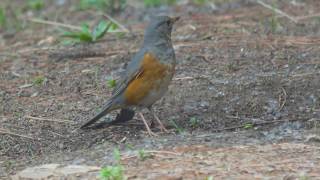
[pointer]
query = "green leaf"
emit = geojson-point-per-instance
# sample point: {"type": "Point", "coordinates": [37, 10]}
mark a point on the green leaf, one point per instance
{"type": "Point", "coordinates": [143, 155]}
{"type": "Point", "coordinates": [100, 30]}
{"type": "Point", "coordinates": [248, 126]}
{"type": "Point", "coordinates": [2, 17]}
{"type": "Point", "coordinates": [112, 173]}
{"type": "Point", "coordinates": [85, 37]}
{"type": "Point", "coordinates": [112, 83]}
{"type": "Point", "coordinates": [113, 27]}
{"type": "Point", "coordinates": [39, 80]}
{"type": "Point", "coordinates": [194, 122]}
{"type": "Point", "coordinates": [85, 28]}
{"type": "Point", "coordinates": [84, 34]}
{"type": "Point", "coordinates": [70, 34]}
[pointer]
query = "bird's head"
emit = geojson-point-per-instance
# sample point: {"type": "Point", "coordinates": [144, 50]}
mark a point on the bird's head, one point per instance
{"type": "Point", "coordinates": [159, 27]}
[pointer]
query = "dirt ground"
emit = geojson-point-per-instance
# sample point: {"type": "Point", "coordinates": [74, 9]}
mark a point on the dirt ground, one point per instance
{"type": "Point", "coordinates": [244, 102]}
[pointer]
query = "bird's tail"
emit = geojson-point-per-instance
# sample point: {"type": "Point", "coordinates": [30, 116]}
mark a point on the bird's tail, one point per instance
{"type": "Point", "coordinates": [106, 109]}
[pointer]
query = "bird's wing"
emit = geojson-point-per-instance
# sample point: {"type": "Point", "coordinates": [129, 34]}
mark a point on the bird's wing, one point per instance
{"type": "Point", "coordinates": [133, 70]}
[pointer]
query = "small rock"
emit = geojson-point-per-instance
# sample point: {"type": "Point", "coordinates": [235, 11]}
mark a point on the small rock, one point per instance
{"type": "Point", "coordinates": [38, 172]}
{"type": "Point", "coordinates": [57, 171]}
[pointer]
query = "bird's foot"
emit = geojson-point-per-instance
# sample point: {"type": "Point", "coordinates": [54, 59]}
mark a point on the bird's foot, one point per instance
{"type": "Point", "coordinates": [147, 126]}
{"type": "Point", "coordinates": [152, 134]}
{"type": "Point", "coordinates": [161, 126]}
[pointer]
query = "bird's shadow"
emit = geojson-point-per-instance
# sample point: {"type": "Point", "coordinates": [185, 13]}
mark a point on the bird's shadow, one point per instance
{"type": "Point", "coordinates": [122, 117]}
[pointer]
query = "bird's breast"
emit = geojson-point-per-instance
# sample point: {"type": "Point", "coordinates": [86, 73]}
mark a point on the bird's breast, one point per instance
{"type": "Point", "coordinates": [150, 83]}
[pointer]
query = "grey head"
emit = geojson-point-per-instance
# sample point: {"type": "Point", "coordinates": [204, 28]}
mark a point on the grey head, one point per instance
{"type": "Point", "coordinates": [159, 29]}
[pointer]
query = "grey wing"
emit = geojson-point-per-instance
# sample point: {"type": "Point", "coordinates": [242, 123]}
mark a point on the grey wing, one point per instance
{"type": "Point", "coordinates": [132, 70]}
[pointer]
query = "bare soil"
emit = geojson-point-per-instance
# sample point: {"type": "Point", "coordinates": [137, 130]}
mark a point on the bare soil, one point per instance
{"type": "Point", "coordinates": [244, 101]}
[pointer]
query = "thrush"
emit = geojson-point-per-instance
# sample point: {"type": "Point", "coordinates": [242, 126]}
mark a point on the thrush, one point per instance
{"type": "Point", "coordinates": [147, 75]}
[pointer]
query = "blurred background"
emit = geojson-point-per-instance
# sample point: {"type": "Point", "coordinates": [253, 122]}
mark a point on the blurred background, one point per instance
{"type": "Point", "coordinates": [261, 16]}
{"type": "Point", "coordinates": [247, 73]}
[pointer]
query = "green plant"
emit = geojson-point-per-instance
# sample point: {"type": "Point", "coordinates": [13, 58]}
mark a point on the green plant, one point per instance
{"type": "Point", "coordinates": [112, 173]}
{"type": "Point", "coordinates": [3, 18]}
{"type": "Point", "coordinates": [87, 35]}
{"type": "Point", "coordinates": [115, 172]}
{"type": "Point", "coordinates": [112, 83]}
{"type": "Point", "coordinates": [248, 126]}
{"type": "Point", "coordinates": [179, 129]}
{"type": "Point", "coordinates": [35, 4]}
{"type": "Point", "coordinates": [39, 80]}
{"type": "Point", "coordinates": [143, 155]}
{"type": "Point", "coordinates": [194, 122]}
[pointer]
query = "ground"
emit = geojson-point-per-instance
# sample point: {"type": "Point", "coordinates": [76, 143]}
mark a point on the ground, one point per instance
{"type": "Point", "coordinates": [244, 102]}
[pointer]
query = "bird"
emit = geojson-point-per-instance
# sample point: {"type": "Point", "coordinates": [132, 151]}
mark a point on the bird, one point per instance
{"type": "Point", "coordinates": [146, 77]}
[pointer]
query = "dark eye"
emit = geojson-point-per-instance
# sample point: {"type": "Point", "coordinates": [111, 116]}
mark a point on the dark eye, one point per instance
{"type": "Point", "coordinates": [168, 23]}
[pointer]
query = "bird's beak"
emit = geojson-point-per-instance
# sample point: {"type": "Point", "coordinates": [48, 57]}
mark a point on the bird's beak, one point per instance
{"type": "Point", "coordinates": [175, 19]}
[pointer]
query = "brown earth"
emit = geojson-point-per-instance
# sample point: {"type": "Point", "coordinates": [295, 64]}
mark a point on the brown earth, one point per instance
{"type": "Point", "coordinates": [244, 101]}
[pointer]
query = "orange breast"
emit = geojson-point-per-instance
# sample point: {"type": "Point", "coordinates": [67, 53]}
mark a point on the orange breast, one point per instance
{"type": "Point", "coordinates": [149, 79]}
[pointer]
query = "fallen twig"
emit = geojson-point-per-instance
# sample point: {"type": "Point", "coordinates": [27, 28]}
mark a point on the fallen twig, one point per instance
{"type": "Point", "coordinates": [4, 131]}
{"type": "Point", "coordinates": [278, 11]}
{"type": "Point", "coordinates": [183, 78]}
{"type": "Point", "coordinates": [163, 152]}
{"type": "Point", "coordinates": [307, 16]}
{"type": "Point", "coordinates": [153, 153]}
{"type": "Point", "coordinates": [116, 22]}
{"type": "Point", "coordinates": [47, 119]}
{"type": "Point", "coordinates": [55, 24]}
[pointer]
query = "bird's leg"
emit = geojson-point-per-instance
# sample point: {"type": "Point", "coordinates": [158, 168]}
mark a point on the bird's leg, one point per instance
{"type": "Point", "coordinates": [162, 128]}
{"type": "Point", "coordinates": [147, 126]}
